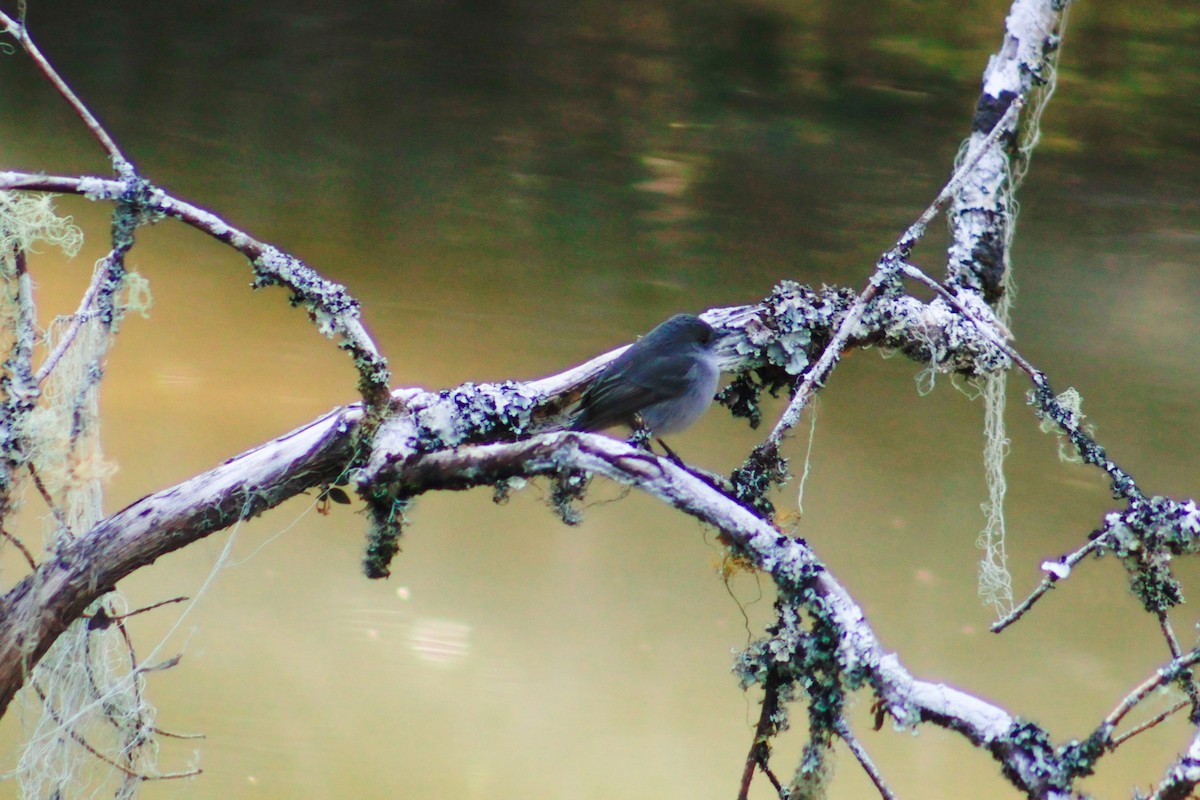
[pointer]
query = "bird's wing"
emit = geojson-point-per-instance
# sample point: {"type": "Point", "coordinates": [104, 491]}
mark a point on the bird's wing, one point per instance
{"type": "Point", "coordinates": [623, 390]}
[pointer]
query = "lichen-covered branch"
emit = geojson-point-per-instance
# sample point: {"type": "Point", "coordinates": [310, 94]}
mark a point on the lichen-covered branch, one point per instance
{"type": "Point", "coordinates": [16, 376]}
{"type": "Point", "coordinates": [1029, 761]}
{"type": "Point", "coordinates": [331, 306]}
{"type": "Point", "coordinates": [882, 280]}
{"type": "Point", "coordinates": [980, 213]}
{"type": "Point", "coordinates": [1183, 776]}
{"type": "Point", "coordinates": [772, 338]}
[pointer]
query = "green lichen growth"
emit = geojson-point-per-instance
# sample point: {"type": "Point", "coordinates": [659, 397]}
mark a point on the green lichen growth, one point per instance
{"type": "Point", "coordinates": [757, 475]}
{"type": "Point", "coordinates": [474, 414]}
{"type": "Point", "coordinates": [503, 489]}
{"type": "Point", "coordinates": [741, 397]}
{"type": "Point", "coordinates": [815, 769]}
{"type": "Point", "coordinates": [492, 413]}
{"type": "Point", "coordinates": [1056, 767]}
{"type": "Point", "coordinates": [1047, 405]}
{"type": "Point", "coordinates": [1079, 758]}
{"type": "Point", "coordinates": [800, 653]}
{"type": "Point", "coordinates": [1146, 536]}
{"type": "Point", "coordinates": [388, 515]}
{"type": "Point", "coordinates": [743, 394]}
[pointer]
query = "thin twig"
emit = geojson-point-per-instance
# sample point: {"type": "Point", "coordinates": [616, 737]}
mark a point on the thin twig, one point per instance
{"type": "Point", "coordinates": [1186, 679]}
{"type": "Point", "coordinates": [81, 315]}
{"type": "Point", "coordinates": [1160, 678]}
{"type": "Point", "coordinates": [779, 787]}
{"type": "Point", "coordinates": [151, 607]}
{"type": "Point", "coordinates": [136, 668]}
{"type": "Point", "coordinates": [21, 34]}
{"type": "Point", "coordinates": [17, 543]}
{"type": "Point", "coordinates": [818, 371]}
{"type": "Point", "coordinates": [57, 512]}
{"type": "Point", "coordinates": [915, 231]}
{"type": "Point", "coordinates": [79, 740]}
{"type": "Point", "coordinates": [1048, 583]}
{"type": "Point", "coordinates": [1164, 624]}
{"type": "Point", "coordinates": [760, 748]}
{"type": "Point", "coordinates": [1148, 724]}
{"type": "Point", "coordinates": [169, 734]}
{"type": "Point", "coordinates": [104, 619]}
{"type": "Point", "coordinates": [336, 309]}
{"type": "Point", "coordinates": [1123, 484]}
{"type": "Point", "coordinates": [986, 327]}
{"type": "Point", "coordinates": [843, 730]}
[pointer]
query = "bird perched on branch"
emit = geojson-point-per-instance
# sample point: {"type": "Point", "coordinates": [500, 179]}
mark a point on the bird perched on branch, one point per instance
{"type": "Point", "coordinates": [661, 384]}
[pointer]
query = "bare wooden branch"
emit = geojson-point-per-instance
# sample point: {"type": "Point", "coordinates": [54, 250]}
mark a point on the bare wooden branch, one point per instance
{"type": "Point", "coordinates": [39, 608]}
{"type": "Point", "coordinates": [17, 29]}
{"type": "Point", "coordinates": [17, 543]}
{"type": "Point", "coordinates": [1185, 679]}
{"type": "Point", "coordinates": [1059, 570]}
{"type": "Point", "coordinates": [86, 745]}
{"type": "Point", "coordinates": [760, 748]}
{"type": "Point", "coordinates": [864, 759]}
{"type": "Point", "coordinates": [1159, 679]}
{"type": "Point", "coordinates": [81, 315]}
{"type": "Point", "coordinates": [1154, 721]}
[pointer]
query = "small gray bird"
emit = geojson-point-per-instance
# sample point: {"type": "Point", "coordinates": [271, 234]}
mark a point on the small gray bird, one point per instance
{"type": "Point", "coordinates": [661, 384]}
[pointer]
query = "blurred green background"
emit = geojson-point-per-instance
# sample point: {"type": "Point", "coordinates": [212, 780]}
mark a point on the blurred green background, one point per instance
{"type": "Point", "coordinates": [513, 187]}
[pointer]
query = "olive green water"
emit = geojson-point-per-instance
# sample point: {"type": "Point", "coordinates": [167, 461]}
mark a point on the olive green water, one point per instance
{"type": "Point", "coordinates": [512, 188]}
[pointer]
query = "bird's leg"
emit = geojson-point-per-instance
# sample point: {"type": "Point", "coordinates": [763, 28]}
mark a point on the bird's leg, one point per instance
{"type": "Point", "coordinates": [641, 434]}
{"type": "Point", "coordinates": [642, 437]}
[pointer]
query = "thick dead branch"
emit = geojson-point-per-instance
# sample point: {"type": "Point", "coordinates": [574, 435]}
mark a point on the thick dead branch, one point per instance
{"type": "Point", "coordinates": [39, 608]}
{"type": "Point", "coordinates": [980, 213]}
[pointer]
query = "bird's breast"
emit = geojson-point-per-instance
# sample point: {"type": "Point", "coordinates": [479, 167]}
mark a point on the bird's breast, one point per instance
{"type": "Point", "coordinates": [677, 413]}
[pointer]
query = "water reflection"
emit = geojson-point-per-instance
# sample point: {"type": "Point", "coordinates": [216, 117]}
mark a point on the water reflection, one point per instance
{"type": "Point", "coordinates": [440, 642]}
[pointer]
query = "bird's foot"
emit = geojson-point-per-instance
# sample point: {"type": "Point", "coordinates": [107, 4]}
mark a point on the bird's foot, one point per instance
{"type": "Point", "coordinates": [641, 439]}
